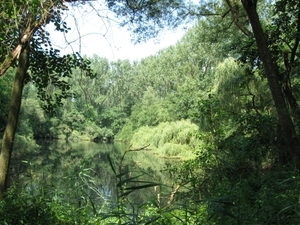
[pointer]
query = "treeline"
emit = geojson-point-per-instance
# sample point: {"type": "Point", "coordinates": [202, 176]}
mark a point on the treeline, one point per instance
{"type": "Point", "coordinates": [198, 79]}
{"type": "Point", "coordinates": [207, 95]}
{"type": "Point", "coordinates": [206, 79]}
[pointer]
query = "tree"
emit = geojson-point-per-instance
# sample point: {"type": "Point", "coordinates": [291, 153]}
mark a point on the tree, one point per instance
{"type": "Point", "coordinates": [21, 20]}
{"type": "Point", "coordinates": [9, 133]}
{"type": "Point", "coordinates": [23, 39]}
{"type": "Point", "coordinates": [270, 68]}
{"type": "Point", "coordinates": [147, 17]}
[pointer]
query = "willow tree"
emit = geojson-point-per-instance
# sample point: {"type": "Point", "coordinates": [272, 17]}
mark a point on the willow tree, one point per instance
{"type": "Point", "coordinates": [26, 45]}
{"type": "Point", "coordinates": [146, 18]}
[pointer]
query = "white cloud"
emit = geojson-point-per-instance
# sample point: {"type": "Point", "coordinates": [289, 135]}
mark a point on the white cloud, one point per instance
{"type": "Point", "coordinates": [91, 34]}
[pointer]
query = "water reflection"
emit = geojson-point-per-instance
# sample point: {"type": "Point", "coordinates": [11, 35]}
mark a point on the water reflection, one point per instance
{"type": "Point", "coordinates": [79, 172]}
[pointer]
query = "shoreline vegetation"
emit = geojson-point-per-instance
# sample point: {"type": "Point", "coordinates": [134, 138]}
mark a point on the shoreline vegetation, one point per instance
{"type": "Point", "coordinates": [217, 113]}
{"type": "Point", "coordinates": [173, 140]}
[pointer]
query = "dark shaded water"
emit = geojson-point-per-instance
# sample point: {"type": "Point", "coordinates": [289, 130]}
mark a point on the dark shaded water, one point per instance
{"type": "Point", "coordinates": [71, 170]}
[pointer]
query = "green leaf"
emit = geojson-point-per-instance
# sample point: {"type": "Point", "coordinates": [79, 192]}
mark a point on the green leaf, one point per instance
{"type": "Point", "coordinates": [141, 186]}
{"type": "Point", "coordinates": [111, 164]}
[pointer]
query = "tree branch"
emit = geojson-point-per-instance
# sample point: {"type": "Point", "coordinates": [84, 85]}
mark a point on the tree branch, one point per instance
{"type": "Point", "coordinates": [235, 17]}
{"type": "Point", "coordinates": [25, 38]}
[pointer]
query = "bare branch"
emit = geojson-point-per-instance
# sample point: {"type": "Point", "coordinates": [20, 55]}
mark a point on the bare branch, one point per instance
{"type": "Point", "coordinates": [173, 193]}
{"type": "Point", "coordinates": [235, 16]}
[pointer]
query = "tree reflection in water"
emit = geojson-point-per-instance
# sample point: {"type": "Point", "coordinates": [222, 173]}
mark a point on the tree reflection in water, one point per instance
{"type": "Point", "coordinates": [77, 173]}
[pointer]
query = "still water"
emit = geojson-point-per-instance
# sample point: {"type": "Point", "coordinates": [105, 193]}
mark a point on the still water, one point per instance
{"type": "Point", "coordinates": [75, 172]}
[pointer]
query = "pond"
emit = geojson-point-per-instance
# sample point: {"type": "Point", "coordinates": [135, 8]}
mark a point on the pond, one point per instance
{"type": "Point", "coordinates": [87, 171]}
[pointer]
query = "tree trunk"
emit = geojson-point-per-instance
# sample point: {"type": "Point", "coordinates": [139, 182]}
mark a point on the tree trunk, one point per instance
{"type": "Point", "coordinates": [287, 90]}
{"type": "Point", "coordinates": [284, 118]}
{"type": "Point", "coordinates": [13, 115]}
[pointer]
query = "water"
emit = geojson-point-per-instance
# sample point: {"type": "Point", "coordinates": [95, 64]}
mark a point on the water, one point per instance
{"type": "Point", "coordinates": [76, 172]}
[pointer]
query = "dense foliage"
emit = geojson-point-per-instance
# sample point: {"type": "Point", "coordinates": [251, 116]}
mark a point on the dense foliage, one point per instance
{"type": "Point", "coordinates": [205, 100]}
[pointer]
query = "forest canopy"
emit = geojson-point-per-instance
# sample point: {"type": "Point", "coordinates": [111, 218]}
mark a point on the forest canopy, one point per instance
{"type": "Point", "coordinates": [224, 101]}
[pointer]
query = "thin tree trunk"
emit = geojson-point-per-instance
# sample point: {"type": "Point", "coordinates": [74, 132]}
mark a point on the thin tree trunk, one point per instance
{"type": "Point", "coordinates": [287, 90]}
{"type": "Point", "coordinates": [13, 115]}
{"type": "Point", "coordinates": [286, 85]}
{"type": "Point", "coordinates": [27, 35]}
{"type": "Point", "coordinates": [284, 118]}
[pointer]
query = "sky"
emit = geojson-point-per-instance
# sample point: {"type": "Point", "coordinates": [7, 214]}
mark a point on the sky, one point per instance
{"type": "Point", "coordinates": [92, 33]}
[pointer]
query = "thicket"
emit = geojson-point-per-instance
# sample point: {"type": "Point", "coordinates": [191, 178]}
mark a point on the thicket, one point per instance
{"type": "Point", "coordinates": [205, 100]}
